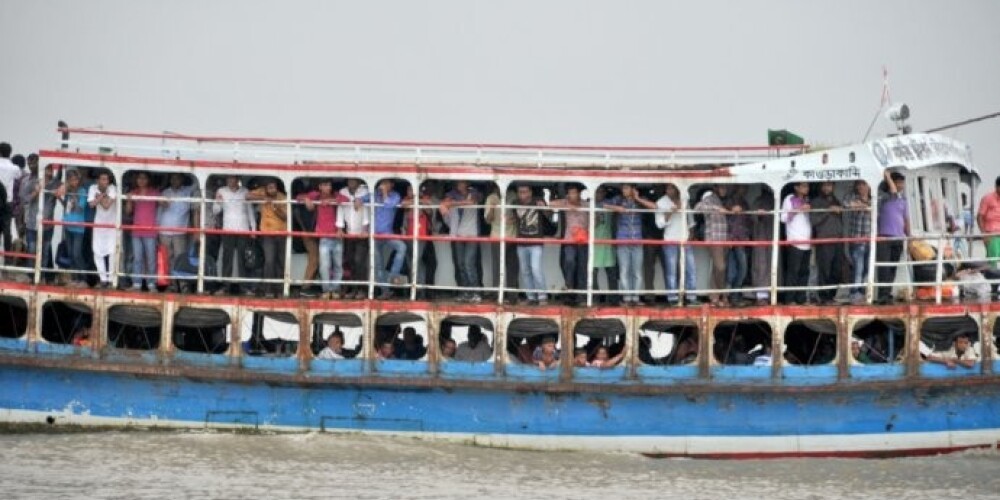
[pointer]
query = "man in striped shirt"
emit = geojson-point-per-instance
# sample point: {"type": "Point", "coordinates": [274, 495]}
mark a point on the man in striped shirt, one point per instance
{"type": "Point", "coordinates": [858, 219]}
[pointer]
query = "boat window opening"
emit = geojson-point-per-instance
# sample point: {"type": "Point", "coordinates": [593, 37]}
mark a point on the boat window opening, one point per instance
{"type": "Point", "coordinates": [134, 327]}
{"type": "Point", "coordinates": [13, 317]}
{"type": "Point", "coordinates": [668, 343]}
{"type": "Point", "coordinates": [349, 327]}
{"type": "Point", "coordinates": [270, 334]}
{"type": "Point", "coordinates": [810, 342]}
{"type": "Point", "coordinates": [67, 323]}
{"type": "Point", "coordinates": [878, 341]}
{"type": "Point", "coordinates": [996, 340]}
{"type": "Point", "coordinates": [937, 335]}
{"type": "Point", "coordinates": [525, 337]}
{"type": "Point", "coordinates": [401, 336]}
{"type": "Point", "coordinates": [598, 342]}
{"type": "Point", "coordinates": [466, 338]}
{"type": "Point", "coordinates": [742, 342]}
{"type": "Point", "coordinates": [201, 330]}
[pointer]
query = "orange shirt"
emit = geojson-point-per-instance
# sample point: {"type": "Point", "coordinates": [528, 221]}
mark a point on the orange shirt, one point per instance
{"type": "Point", "coordinates": [270, 219]}
{"type": "Point", "coordinates": [989, 210]}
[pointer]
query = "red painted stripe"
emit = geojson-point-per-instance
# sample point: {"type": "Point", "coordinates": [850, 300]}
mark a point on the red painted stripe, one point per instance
{"type": "Point", "coordinates": [416, 144]}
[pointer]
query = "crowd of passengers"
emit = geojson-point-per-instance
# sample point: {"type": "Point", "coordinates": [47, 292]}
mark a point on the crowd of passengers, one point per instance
{"type": "Point", "coordinates": [334, 222]}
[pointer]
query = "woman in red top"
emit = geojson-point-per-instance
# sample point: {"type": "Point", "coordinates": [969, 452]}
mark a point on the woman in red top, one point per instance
{"type": "Point", "coordinates": [420, 222]}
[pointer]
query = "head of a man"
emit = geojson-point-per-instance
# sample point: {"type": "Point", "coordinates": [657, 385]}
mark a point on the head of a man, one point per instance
{"type": "Point", "coordinates": [826, 188]}
{"type": "Point", "coordinates": [103, 181]}
{"type": "Point", "coordinates": [524, 194]}
{"type": "Point", "coordinates": [448, 348]}
{"type": "Point", "coordinates": [335, 341]}
{"type": "Point", "coordinates": [233, 182]}
{"type": "Point", "coordinates": [862, 188]}
{"type": "Point", "coordinates": [899, 180]}
{"type": "Point", "coordinates": [962, 343]}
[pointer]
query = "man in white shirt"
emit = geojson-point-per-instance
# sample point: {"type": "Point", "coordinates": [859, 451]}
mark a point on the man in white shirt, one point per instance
{"type": "Point", "coordinates": [237, 215]}
{"type": "Point", "coordinates": [175, 216]}
{"type": "Point", "coordinates": [675, 229]}
{"type": "Point", "coordinates": [334, 346]}
{"type": "Point", "coordinates": [795, 215]}
{"type": "Point", "coordinates": [354, 220]}
{"type": "Point", "coordinates": [101, 197]}
{"type": "Point", "coordinates": [8, 174]}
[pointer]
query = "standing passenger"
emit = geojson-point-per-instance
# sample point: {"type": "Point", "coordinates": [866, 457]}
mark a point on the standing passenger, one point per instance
{"type": "Point", "coordinates": [419, 223]}
{"type": "Point", "coordinates": [237, 216]}
{"type": "Point", "coordinates": [101, 197]}
{"type": "Point", "coordinates": [73, 198]}
{"type": "Point", "coordinates": [576, 237]}
{"type": "Point", "coordinates": [8, 174]}
{"type": "Point", "coordinates": [763, 230]}
{"type": "Point", "coordinates": [387, 201]}
{"type": "Point", "coordinates": [893, 222]}
{"type": "Point", "coordinates": [859, 225]}
{"type": "Point", "coordinates": [325, 204]}
{"type": "Point", "coordinates": [176, 209]}
{"type": "Point", "coordinates": [354, 220]}
{"type": "Point", "coordinates": [143, 240]}
{"type": "Point", "coordinates": [629, 229]}
{"type": "Point", "coordinates": [51, 188]}
{"type": "Point", "coordinates": [716, 233]}
{"type": "Point", "coordinates": [530, 225]}
{"type": "Point", "coordinates": [675, 231]}
{"type": "Point", "coordinates": [273, 219]}
{"type": "Point", "coordinates": [510, 263]}
{"type": "Point", "coordinates": [989, 223]}
{"type": "Point", "coordinates": [795, 215]}
{"type": "Point", "coordinates": [604, 255]}
{"type": "Point", "coordinates": [739, 230]}
{"type": "Point", "coordinates": [460, 208]}
{"type": "Point", "coordinates": [826, 223]}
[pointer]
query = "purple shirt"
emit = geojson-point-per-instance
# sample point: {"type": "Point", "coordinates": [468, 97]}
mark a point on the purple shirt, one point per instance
{"type": "Point", "coordinates": [893, 212]}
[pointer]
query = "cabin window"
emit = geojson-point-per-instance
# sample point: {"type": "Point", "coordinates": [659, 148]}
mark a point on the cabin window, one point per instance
{"type": "Point", "coordinates": [810, 342]}
{"type": "Point", "coordinates": [878, 341]}
{"type": "Point", "coordinates": [937, 335]}
{"type": "Point", "coordinates": [742, 343]}
{"type": "Point", "coordinates": [996, 339]}
{"type": "Point", "coordinates": [201, 330]}
{"type": "Point", "coordinates": [598, 342]}
{"type": "Point", "coordinates": [67, 323]}
{"type": "Point", "coordinates": [270, 333]}
{"type": "Point", "coordinates": [401, 336]}
{"type": "Point", "coordinates": [347, 326]}
{"type": "Point", "coordinates": [134, 327]}
{"type": "Point", "coordinates": [529, 339]}
{"type": "Point", "coordinates": [13, 317]}
{"type": "Point", "coordinates": [466, 338]}
{"type": "Point", "coordinates": [668, 343]}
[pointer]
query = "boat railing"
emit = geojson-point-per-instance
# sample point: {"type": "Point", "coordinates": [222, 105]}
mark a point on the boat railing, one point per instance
{"type": "Point", "coordinates": [311, 151]}
{"type": "Point", "coordinates": [34, 269]}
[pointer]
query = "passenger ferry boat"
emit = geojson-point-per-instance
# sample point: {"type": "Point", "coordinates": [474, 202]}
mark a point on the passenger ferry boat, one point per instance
{"type": "Point", "coordinates": [201, 360]}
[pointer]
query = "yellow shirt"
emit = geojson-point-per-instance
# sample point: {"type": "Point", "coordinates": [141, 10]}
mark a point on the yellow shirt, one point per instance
{"type": "Point", "coordinates": [272, 211]}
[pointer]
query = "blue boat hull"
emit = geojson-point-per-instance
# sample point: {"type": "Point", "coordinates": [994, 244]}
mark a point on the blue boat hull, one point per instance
{"type": "Point", "coordinates": [848, 420]}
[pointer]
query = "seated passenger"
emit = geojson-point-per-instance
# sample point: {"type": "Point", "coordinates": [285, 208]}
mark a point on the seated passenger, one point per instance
{"type": "Point", "coordinates": [580, 358]}
{"type": "Point", "coordinates": [448, 349]}
{"type": "Point", "coordinates": [81, 338]}
{"type": "Point", "coordinates": [602, 358]}
{"type": "Point", "coordinates": [477, 348]}
{"type": "Point", "coordinates": [334, 346]}
{"type": "Point", "coordinates": [547, 356]}
{"type": "Point", "coordinates": [859, 353]}
{"type": "Point", "coordinates": [961, 353]}
{"type": "Point", "coordinates": [385, 350]}
{"type": "Point", "coordinates": [686, 352]}
{"type": "Point", "coordinates": [412, 347]}
{"type": "Point", "coordinates": [764, 358]}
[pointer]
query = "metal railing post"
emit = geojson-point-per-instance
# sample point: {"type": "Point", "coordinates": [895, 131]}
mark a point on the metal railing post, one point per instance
{"type": "Point", "coordinates": [415, 242]}
{"type": "Point", "coordinates": [775, 248]}
{"type": "Point", "coordinates": [870, 289]}
{"type": "Point", "coordinates": [502, 275]}
{"type": "Point", "coordinates": [287, 267]}
{"type": "Point", "coordinates": [201, 241]}
{"type": "Point", "coordinates": [591, 216]}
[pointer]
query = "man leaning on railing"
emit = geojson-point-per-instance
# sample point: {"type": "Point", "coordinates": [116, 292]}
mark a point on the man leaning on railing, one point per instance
{"type": "Point", "coordinates": [894, 223]}
{"type": "Point", "coordinates": [989, 223]}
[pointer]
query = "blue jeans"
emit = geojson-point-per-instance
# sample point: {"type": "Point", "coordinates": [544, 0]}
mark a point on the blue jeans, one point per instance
{"type": "Point", "coordinates": [331, 257]}
{"type": "Point", "coordinates": [736, 269]}
{"type": "Point", "coordinates": [143, 260]}
{"type": "Point", "coordinates": [860, 253]}
{"type": "Point", "coordinates": [630, 270]}
{"type": "Point", "coordinates": [532, 275]}
{"type": "Point", "coordinates": [467, 274]}
{"type": "Point", "coordinates": [30, 240]}
{"type": "Point", "coordinates": [574, 267]}
{"type": "Point", "coordinates": [74, 243]}
{"type": "Point", "coordinates": [671, 276]}
{"type": "Point", "coordinates": [398, 250]}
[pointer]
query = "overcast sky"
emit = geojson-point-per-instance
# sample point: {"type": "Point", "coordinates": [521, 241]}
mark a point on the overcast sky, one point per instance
{"type": "Point", "coordinates": [575, 72]}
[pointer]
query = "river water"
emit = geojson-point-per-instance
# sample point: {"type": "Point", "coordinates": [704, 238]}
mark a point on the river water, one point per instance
{"type": "Point", "coordinates": [134, 465]}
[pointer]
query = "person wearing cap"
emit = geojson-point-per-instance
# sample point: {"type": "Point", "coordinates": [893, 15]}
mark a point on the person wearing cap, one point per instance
{"type": "Point", "coordinates": [988, 220]}
{"type": "Point", "coordinates": [893, 222]}
{"type": "Point", "coordinates": [237, 216]}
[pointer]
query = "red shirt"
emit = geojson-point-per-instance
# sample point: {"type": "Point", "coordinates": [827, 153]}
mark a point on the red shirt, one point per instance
{"type": "Point", "coordinates": [326, 210]}
{"type": "Point", "coordinates": [989, 210]}
{"type": "Point", "coordinates": [421, 223]}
